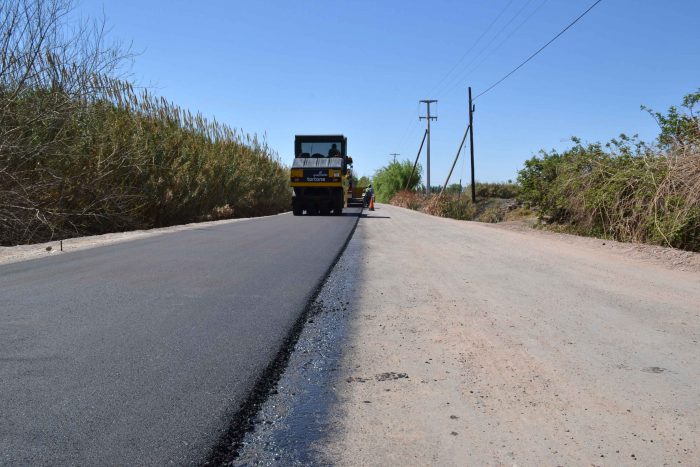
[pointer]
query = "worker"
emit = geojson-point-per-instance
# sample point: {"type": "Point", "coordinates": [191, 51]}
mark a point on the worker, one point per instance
{"type": "Point", "coordinates": [333, 151]}
{"type": "Point", "coordinates": [369, 192]}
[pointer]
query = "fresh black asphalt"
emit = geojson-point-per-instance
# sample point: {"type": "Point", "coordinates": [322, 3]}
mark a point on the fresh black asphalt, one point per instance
{"type": "Point", "coordinates": [140, 352]}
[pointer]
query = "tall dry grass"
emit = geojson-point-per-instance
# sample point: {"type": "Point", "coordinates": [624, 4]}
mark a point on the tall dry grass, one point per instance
{"type": "Point", "coordinates": [460, 206]}
{"type": "Point", "coordinates": [648, 198]}
{"type": "Point", "coordinates": [83, 152]}
{"type": "Point", "coordinates": [626, 190]}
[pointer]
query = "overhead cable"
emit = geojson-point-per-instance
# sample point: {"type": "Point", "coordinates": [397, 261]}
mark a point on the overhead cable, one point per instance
{"type": "Point", "coordinates": [464, 55]}
{"type": "Point", "coordinates": [539, 50]}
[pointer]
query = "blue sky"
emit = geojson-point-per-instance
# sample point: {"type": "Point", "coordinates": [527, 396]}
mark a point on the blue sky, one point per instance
{"type": "Point", "coordinates": [359, 68]}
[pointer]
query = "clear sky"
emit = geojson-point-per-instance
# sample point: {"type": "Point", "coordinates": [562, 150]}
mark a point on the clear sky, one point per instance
{"type": "Point", "coordinates": [359, 67]}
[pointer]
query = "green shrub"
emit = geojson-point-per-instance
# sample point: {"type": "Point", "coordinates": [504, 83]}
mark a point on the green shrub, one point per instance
{"type": "Point", "coordinates": [391, 179]}
{"type": "Point", "coordinates": [626, 190]}
{"type": "Point", "coordinates": [455, 207]}
{"type": "Point", "coordinates": [506, 190]}
{"type": "Point", "coordinates": [454, 189]}
{"type": "Point", "coordinates": [363, 182]}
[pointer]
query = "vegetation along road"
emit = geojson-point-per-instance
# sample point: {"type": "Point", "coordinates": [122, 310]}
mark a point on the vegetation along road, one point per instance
{"type": "Point", "coordinates": [140, 352]}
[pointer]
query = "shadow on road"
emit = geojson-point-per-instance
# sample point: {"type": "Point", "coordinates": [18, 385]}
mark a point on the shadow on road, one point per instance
{"type": "Point", "coordinates": [344, 214]}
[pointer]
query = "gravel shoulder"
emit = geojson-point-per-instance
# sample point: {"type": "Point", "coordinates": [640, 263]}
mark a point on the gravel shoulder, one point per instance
{"type": "Point", "coordinates": [670, 258]}
{"type": "Point", "coordinates": [473, 344]}
{"type": "Point", "coordinates": [14, 254]}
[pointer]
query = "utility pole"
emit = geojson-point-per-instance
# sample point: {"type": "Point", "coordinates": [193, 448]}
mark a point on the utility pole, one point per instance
{"type": "Point", "coordinates": [408, 182]}
{"type": "Point", "coordinates": [455, 161]}
{"type": "Point", "coordinates": [471, 141]}
{"type": "Point", "coordinates": [394, 154]}
{"type": "Point", "coordinates": [428, 117]}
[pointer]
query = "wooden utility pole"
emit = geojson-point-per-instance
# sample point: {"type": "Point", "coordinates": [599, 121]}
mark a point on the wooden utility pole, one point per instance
{"type": "Point", "coordinates": [408, 182]}
{"type": "Point", "coordinates": [394, 154]}
{"type": "Point", "coordinates": [471, 141]}
{"type": "Point", "coordinates": [428, 117]}
{"type": "Point", "coordinates": [447, 180]}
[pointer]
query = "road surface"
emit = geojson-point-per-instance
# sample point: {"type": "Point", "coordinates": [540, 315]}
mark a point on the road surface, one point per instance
{"type": "Point", "coordinates": [139, 352]}
{"type": "Point", "coordinates": [472, 344]}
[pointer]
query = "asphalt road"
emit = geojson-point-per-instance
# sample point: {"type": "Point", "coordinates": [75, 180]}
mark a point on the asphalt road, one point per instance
{"type": "Point", "coordinates": [139, 352]}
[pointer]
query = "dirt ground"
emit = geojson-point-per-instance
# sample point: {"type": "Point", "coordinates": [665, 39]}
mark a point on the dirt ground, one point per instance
{"type": "Point", "coordinates": [476, 344]}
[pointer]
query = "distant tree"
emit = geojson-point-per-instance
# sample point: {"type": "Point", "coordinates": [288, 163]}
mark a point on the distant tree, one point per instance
{"type": "Point", "coordinates": [363, 181]}
{"type": "Point", "coordinates": [679, 127]}
{"type": "Point", "coordinates": [394, 177]}
{"type": "Point", "coordinates": [454, 188]}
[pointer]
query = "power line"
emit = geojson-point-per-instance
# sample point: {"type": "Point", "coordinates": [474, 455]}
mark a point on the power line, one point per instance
{"type": "Point", "coordinates": [538, 51]}
{"type": "Point", "coordinates": [498, 46]}
{"type": "Point", "coordinates": [406, 141]}
{"type": "Point", "coordinates": [447, 79]}
{"type": "Point", "coordinates": [452, 81]}
{"type": "Point", "coordinates": [409, 130]}
{"type": "Point", "coordinates": [481, 36]}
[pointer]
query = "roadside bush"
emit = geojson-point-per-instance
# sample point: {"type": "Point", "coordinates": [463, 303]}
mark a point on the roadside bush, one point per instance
{"type": "Point", "coordinates": [461, 207]}
{"type": "Point", "coordinates": [452, 206]}
{"type": "Point", "coordinates": [389, 180]}
{"type": "Point", "coordinates": [626, 190]}
{"type": "Point", "coordinates": [408, 199]}
{"type": "Point", "coordinates": [454, 189]}
{"type": "Point", "coordinates": [363, 182]}
{"type": "Point", "coordinates": [448, 205]}
{"type": "Point", "coordinates": [81, 152]}
{"type": "Point", "coordinates": [505, 190]}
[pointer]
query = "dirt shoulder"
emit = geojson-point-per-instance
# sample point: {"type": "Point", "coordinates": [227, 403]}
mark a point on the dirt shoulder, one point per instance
{"type": "Point", "coordinates": [671, 258]}
{"type": "Point", "coordinates": [475, 344]}
{"type": "Point", "coordinates": [18, 253]}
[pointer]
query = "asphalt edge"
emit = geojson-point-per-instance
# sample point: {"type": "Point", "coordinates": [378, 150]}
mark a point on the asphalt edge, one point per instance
{"type": "Point", "coordinates": [34, 251]}
{"type": "Point", "coordinates": [225, 451]}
